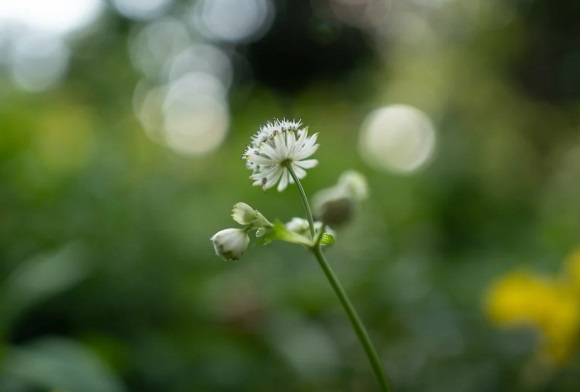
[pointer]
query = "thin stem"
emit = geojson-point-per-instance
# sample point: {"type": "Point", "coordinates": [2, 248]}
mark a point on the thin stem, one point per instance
{"type": "Point", "coordinates": [304, 200]}
{"type": "Point", "coordinates": [320, 235]}
{"type": "Point", "coordinates": [355, 320]}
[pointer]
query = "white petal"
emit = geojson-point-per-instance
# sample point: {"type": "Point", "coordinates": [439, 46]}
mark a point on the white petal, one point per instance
{"type": "Point", "coordinates": [290, 142]}
{"type": "Point", "coordinates": [302, 135]}
{"type": "Point", "coordinates": [307, 164]}
{"type": "Point", "coordinates": [305, 152]}
{"type": "Point", "coordinates": [267, 149]}
{"type": "Point", "coordinates": [310, 141]}
{"type": "Point", "coordinates": [266, 171]}
{"type": "Point", "coordinates": [260, 160]}
{"type": "Point", "coordinates": [300, 173]}
{"type": "Point", "coordinates": [273, 178]}
{"type": "Point", "coordinates": [280, 145]}
{"type": "Point", "coordinates": [307, 148]}
{"type": "Point", "coordinates": [283, 181]}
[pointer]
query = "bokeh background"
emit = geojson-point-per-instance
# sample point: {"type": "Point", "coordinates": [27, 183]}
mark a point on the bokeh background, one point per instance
{"type": "Point", "coordinates": [122, 123]}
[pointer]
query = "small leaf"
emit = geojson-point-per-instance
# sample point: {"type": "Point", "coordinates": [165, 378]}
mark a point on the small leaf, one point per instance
{"type": "Point", "coordinates": [327, 239]}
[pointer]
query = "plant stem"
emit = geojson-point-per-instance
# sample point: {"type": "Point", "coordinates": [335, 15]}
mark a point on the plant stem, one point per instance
{"type": "Point", "coordinates": [355, 320]}
{"type": "Point", "coordinates": [304, 200]}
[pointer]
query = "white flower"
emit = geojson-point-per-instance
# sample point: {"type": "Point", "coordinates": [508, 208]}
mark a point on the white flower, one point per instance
{"type": "Point", "coordinates": [246, 215]}
{"type": "Point", "coordinates": [230, 244]}
{"type": "Point", "coordinates": [277, 146]}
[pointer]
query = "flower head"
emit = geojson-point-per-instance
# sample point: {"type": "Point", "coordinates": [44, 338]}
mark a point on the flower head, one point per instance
{"type": "Point", "coordinates": [230, 244]}
{"type": "Point", "coordinates": [275, 148]}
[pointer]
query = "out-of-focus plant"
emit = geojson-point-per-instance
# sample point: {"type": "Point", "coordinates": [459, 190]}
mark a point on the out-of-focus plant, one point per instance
{"type": "Point", "coordinates": [48, 362]}
{"type": "Point", "coordinates": [278, 155]}
{"type": "Point", "coordinates": [550, 305]}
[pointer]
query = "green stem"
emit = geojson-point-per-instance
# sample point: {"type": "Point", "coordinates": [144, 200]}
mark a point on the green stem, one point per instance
{"type": "Point", "coordinates": [355, 320]}
{"type": "Point", "coordinates": [304, 200]}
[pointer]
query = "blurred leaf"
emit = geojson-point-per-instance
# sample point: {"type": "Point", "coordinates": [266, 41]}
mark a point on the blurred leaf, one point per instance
{"type": "Point", "coordinates": [42, 277]}
{"type": "Point", "coordinates": [61, 364]}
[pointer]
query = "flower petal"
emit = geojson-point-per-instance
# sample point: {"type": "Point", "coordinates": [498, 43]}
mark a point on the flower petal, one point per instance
{"type": "Point", "coordinates": [307, 164]}
{"type": "Point", "coordinates": [283, 181]}
{"type": "Point", "coordinates": [300, 173]}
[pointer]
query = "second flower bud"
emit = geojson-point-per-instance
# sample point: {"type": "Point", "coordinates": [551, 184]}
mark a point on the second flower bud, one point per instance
{"type": "Point", "coordinates": [247, 216]}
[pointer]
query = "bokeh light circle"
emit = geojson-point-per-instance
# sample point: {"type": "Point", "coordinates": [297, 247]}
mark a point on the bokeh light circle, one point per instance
{"type": "Point", "coordinates": [141, 9]}
{"type": "Point", "coordinates": [197, 126]}
{"type": "Point", "coordinates": [54, 16]}
{"type": "Point", "coordinates": [156, 44]}
{"type": "Point", "coordinates": [203, 58]}
{"type": "Point", "coordinates": [397, 138]}
{"type": "Point", "coordinates": [233, 20]}
{"type": "Point", "coordinates": [195, 114]}
{"type": "Point", "coordinates": [39, 61]}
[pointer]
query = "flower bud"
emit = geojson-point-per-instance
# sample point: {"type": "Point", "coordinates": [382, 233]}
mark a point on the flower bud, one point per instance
{"type": "Point", "coordinates": [230, 244]}
{"type": "Point", "coordinates": [247, 216]}
{"type": "Point", "coordinates": [336, 211]}
{"type": "Point", "coordinates": [298, 225]}
{"type": "Point", "coordinates": [243, 214]}
{"type": "Point", "coordinates": [354, 183]}
{"type": "Point", "coordinates": [337, 205]}
{"type": "Point", "coordinates": [301, 226]}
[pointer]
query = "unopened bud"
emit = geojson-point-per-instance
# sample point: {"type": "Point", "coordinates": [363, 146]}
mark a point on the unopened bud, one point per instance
{"type": "Point", "coordinates": [247, 216]}
{"type": "Point", "coordinates": [230, 244]}
{"type": "Point", "coordinates": [337, 205]}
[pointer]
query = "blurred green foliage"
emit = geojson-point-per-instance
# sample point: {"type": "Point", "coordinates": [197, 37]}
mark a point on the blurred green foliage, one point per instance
{"type": "Point", "coordinates": [109, 282]}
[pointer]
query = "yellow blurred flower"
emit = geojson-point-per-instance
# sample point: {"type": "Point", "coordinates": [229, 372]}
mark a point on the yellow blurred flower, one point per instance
{"type": "Point", "coordinates": [573, 269]}
{"type": "Point", "coordinates": [551, 306]}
